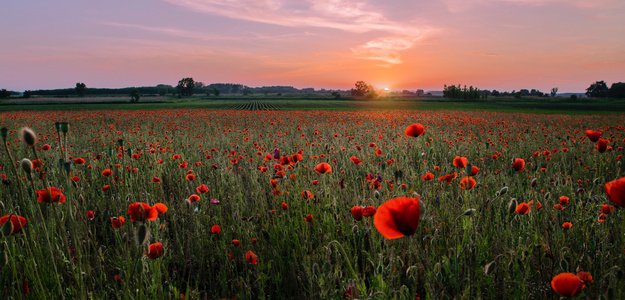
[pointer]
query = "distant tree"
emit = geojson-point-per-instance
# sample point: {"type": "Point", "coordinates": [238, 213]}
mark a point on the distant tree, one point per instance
{"type": "Point", "coordinates": [336, 95]}
{"type": "Point", "coordinates": [162, 91]}
{"type": "Point", "coordinates": [554, 91]}
{"type": "Point", "coordinates": [598, 90]}
{"type": "Point", "coordinates": [495, 93]}
{"type": "Point", "coordinates": [420, 92]}
{"type": "Point", "coordinates": [266, 92]}
{"type": "Point", "coordinates": [362, 89]}
{"type": "Point", "coordinates": [617, 90]}
{"type": "Point", "coordinates": [135, 95]}
{"type": "Point", "coordinates": [199, 84]}
{"type": "Point", "coordinates": [216, 91]}
{"type": "Point", "coordinates": [574, 97]}
{"type": "Point", "coordinates": [27, 94]}
{"type": "Point", "coordinates": [247, 91]}
{"type": "Point", "coordinates": [524, 92]}
{"type": "Point", "coordinates": [185, 86]}
{"type": "Point", "coordinates": [4, 94]}
{"type": "Point", "coordinates": [81, 89]}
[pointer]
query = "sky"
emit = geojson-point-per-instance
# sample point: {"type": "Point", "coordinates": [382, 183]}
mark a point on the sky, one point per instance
{"type": "Point", "coordinates": [397, 44]}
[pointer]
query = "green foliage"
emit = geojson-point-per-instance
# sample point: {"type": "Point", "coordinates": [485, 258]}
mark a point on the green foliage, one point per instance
{"type": "Point", "coordinates": [617, 90]}
{"type": "Point", "coordinates": [598, 89]}
{"type": "Point", "coordinates": [457, 92]}
{"type": "Point", "coordinates": [554, 91]}
{"type": "Point", "coordinates": [216, 91]}
{"type": "Point", "coordinates": [185, 86]}
{"type": "Point", "coordinates": [362, 89]}
{"type": "Point", "coordinates": [4, 94]}
{"type": "Point", "coordinates": [81, 89]}
{"type": "Point", "coordinates": [135, 95]}
{"type": "Point", "coordinates": [27, 94]}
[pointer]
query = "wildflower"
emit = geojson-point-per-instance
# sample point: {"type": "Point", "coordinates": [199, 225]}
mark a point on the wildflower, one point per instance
{"type": "Point", "coordinates": [156, 180]}
{"type": "Point", "coordinates": [51, 195]}
{"type": "Point", "coordinates": [460, 162]}
{"type": "Point", "coordinates": [357, 212]}
{"type": "Point", "coordinates": [90, 215]}
{"type": "Point", "coordinates": [467, 183]}
{"type": "Point", "coordinates": [602, 145]}
{"type": "Point", "coordinates": [323, 168]}
{"type": "Point", "coordinates": [117, 222]}
{"type": "Point", "coordinates": [18, 223]}
{"type": "Point", "coordinates": [428, 176]}
{"type": "Point", "coordinates": [567, 284]}
{"type": "Point", "coordinates": [616, 191]}
{"type": "Point", "coordinates": [414, 130]}
{"type": "Point", "coordinates": [567, 225]}
{"type": "Point", "coordinates": [202, 189]}
{"type": "Point", "coordinates": [194, 198]}
{"type": "Point", "coordinates": [107, 172]}
{"type": "Point", "coordinates": [142, 212]}
{"type": "Point", "coordinates": [369, 211]}
{"type": "Point", "coordinates": [236, 242]}
{"type": "Point", "coordinates": [309, 218]}
{"type": "Point", "coordinates": [284, 206]}
{"type": "Point", "coordinates": [398, 217]}
{"type": "Point", "coordinates": [564, 200]}
{"type": "Point", "coordinates": [593, 135]}
{"type": "Point", "coordinates": [215, 229]}
{"type": "Point", "coordinates": [522, 209]}
{"type": "Point", "coordinates": [251, 257]}
{"type": "Point", "coordinates": [518, 165]}
{"type": "Point", "coordinates": [155, 251]}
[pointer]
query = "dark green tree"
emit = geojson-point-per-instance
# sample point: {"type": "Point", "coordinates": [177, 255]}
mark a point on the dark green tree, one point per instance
{"type": "Point", "coordinates": [362, 89]}
{"type": "Point", "coordinates": [617, 90]}
{"type": "Point", "coordinates": [81, 89]}
{"type": "Point", "coordinates": [598, 90]}
{"type": "Point", "coordinates": [135, 95]}
{"type": "Point", "coordinates": [27, 94]}
{"type": "Point", "coordinates": [216, 91]}
{"type": "Point", "coordinates": [185, 86]}
{"type": "Point", "coordinates": [4, 94]}
{"type": "Point", "coordinates": [554, 91]}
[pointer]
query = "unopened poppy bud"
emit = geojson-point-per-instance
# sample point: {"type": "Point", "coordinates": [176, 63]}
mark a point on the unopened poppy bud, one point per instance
{"type": "Point", "coordinates": [469, 212]}
{"type": "Point", "coordinates": [7, 228]}
{"type": "Point", "coordinates": [534, 182]}
{"type": "Point", "coordinates": [4, 259]}
{"type": "Point", "coordinates": [512, 205]}
{"type": "Point", "coordinates": [57, 126]}
{"type": "Point", "coordinates": [120, 142]}
{"type": "Point", "coordinates": [142, 234]}
{"type": "Point", "coordinates": [422, 209]}
{"type": "Point", "coordinates": [26, 165]}
{"type": "Point", "coordinates": [4, 132]}
{"type": "Point", "coordinates": [503, 191]}
{"type": "Point", "coordinates": [64, 127]}
{"type": "Point", "coordinates": [490, 267]}
{"type": "Point", "coordinates": [547, 196]}
{"type": "Point", "coordinates": [28, 136]}
{"type": "Point", "coordinates": [377, 194]}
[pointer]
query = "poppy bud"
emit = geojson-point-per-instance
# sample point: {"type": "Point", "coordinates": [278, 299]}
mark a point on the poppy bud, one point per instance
{"type": "Point", "coordinates": [7, 228]}
{"type": "Point", "coordinates": [469, 212]}
{"type": "Point", "coordinates": [142, 234]}
{"type": "Point", "coordinates": [4, 259]}
{"type": "Point", "coordinates": [28, 136]}
{"type": "Point", "coordinates": [512, 205]}
{"type": "Point", "coordinates": [4, 132]}
{"type": "Point", "coordinates": [422, 205]}
{"type": "Point", "coordinates": [503, 191]}
{"type": "Point", "coordinates": [26, 165]}
{"type": "Point", "coordinates": [57, 126]}
{"type": "Point", "coordinates": [547, 196]}
{"type": "Point", "coordinates": [64, 127]}
{"type": "Point", "coordinates": [376, 194]}
{"type": "Point", "coordinates": [534, 182]}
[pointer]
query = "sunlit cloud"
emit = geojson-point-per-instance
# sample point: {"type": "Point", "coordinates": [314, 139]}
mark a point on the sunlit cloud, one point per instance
{"type": "Point", "coordinates": [385, 49]}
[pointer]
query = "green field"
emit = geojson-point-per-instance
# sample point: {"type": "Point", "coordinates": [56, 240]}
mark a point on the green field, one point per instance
{"type": "Point", "coordinates": [323, 102]}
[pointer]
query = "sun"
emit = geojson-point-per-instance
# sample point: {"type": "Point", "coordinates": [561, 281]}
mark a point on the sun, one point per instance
{"type": "Point", "coordinates": [386, 89]}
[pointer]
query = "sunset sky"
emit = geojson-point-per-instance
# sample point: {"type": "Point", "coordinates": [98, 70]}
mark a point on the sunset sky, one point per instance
{"type": "Point", "coordinates": [400, 44]}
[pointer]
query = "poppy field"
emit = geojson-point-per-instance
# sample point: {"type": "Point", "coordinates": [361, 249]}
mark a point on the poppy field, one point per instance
{"type": "Point", "coordinates": [266, 204]}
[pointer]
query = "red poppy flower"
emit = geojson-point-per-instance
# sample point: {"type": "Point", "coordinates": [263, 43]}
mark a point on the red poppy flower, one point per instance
{"type": "Point", "coordinates": [156, 180]}
{"type": "Point", "coordinates": [414, 130]}
{"type": "Point", "coordinates": [106, 188]}
{"type": "Point", "coordinates": [307, 195]}
{"type": "Point", "coordinates": [194, 198]}
{"type": "Point", "coordinates": [567, 225]}
{"type": "Point", "coordinates": [467, 183]}
{"type": "Point", "coordinates": [45, 147]}
{"type": "Point", "coordinates": [522, 209]}
{"type": "Point", "coordinates": [355, 160]}
{"type": "Point", "coordinates": [18, 223]}
{"type": "Point", "coordinates": [51, 195]}
{"type": "Point", "coordinates": [284, 206]}
{"type": "Point", "coordinates": [176, 156]}
{"type": "Point", "coordinates": [357, 212]}
{"type": "Point", "coordinates": [90, 215]}
{"type": "Point", "coordinates": [79, 161]}
{"type": "Point", "coordinates": [117, 222]}
{"type": "Point", "coordinates": [369, 211]}
{"type": "Point", "coordinates": [518, 165]}
{"type": "Point", "coordinates": [567, 284]}
{"type": "Point", "coordinates": [107, 172]}
{"type": "Point", "coordinates": [190, 177]}
{"type": "Point", "coordinates": [593, 135]}
{"type": "Point", "coordinates": [236, 242]}
{"type": "Point", "coordinates": [616, 191]}
{"type": "Point", "coordinates": [398, 217]}
{"type": "Point", "coordinates": [251, 257]}
{"type": "Point", "coordinates": [215, 229]}
{"type": "Point", "coordinates": [602, 145]}
{"type": "Point", "coordinates": [564, 200]}
{"type": "Point", "coordinates": [142, 212]}
{"type": "Point", "coordinates": [558, 207]}
{"type": "Point", "coordinates": [202, 189]}
{"type": "Point", "coordinates": [460, 162]}
{"type": "Point", "coordinates": [607, 209]}
{"type": "Point", "coordinates": [315, 182]}
{"type": "Point", "coordinates": [448, 178]}
{"type": "Point", "coordinates": [155, 251]}
{"type": "Point", "coordinates": [474, 171]}
{"type": "Point", "coordinates": [309, 218]}
{"type": "Point", "coordinates": [428, 176]}
{"type": "Point", "coordinates": [323, 168]}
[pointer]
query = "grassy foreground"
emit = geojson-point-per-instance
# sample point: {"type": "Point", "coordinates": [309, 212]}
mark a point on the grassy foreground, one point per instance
{"type": "Point", "coordinates": [247, 236]}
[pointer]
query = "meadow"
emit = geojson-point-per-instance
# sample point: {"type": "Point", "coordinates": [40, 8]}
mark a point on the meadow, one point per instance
{"type": "Point", "coordinates": [263, 202]}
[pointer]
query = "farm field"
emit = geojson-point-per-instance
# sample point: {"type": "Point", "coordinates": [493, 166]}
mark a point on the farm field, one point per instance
{"type": "Point", "coordinates": [266, 199]}
{"type": "Point", "coordinates": [324, 102]}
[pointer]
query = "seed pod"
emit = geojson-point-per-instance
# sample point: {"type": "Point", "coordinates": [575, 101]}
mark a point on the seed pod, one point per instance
{"type": "Point", "coordinates": [64, 127]}
{"type": "Point", "coordinates": [28, 136]}
{"type": "Point", "coordinates": [142, 234]}
{"type": "Point", "coordinates": [26, 165]}
{"type": "Point", "coordinates": [512, 205]}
